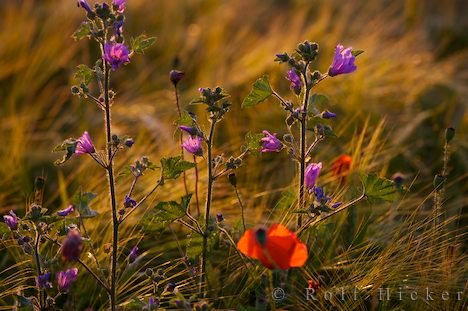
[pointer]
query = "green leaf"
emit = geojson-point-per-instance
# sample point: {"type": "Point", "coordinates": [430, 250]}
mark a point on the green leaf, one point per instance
{"type": "Point", "coordinates": [357, 52]}
{"type": "Point", "coordinates": [83, 31]}
{"type": "Point", "coordinates": [379, 188]}
{"type": "Point", "coordinates": [69, 145]}
{"type": "Point", "coordinates": [319, 100]}
{"type": "Point", "coordinates": [141, 43]}
{"type": "Point", "coordinates": [167, 212]}
{"type": "Point", "coordinates": [185, 119]}
{"type": "Point", "coordinates": [4, 229]}
{"type": "Point", "coordinates": [261, 90]}
{"type": "Point", "coordinates": [254, 142]}
{"type": "Point", "coordinates": [81, 201]}
{"type": "Point", "coordinates": [174, 166]}
{"type": "Point", "coordinates": [84, 74]}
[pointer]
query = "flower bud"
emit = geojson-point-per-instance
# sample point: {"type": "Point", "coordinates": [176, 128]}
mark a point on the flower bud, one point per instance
{"type": "Point", "coordinates": [449, 134]}
{"type": "Point", "coordinates": [233, 179]}
{"type": "Point", "coordinates": [176, 76]}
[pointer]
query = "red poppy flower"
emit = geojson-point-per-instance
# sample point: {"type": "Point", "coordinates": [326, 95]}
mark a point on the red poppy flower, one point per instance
{"type": "Point", "coordinates": [341, 166]}
{"type": "Point", "coordinates": [276, 247]}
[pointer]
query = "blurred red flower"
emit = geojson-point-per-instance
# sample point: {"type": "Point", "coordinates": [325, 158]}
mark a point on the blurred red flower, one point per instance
{"type": "Point", "coordinates": [276, 247]}
{"type": "Point", "coordinates": [341, 165]}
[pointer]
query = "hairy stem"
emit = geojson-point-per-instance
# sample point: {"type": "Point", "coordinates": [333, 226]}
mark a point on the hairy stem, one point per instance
{"type": "Point", "coordinates": [181, 137]}
{"type": "Point", "coordinates": [241, 206]}
{"type": "Point", "coordinates": [197, 199]}
{"type": "Point", "coordinates": [40, 293]}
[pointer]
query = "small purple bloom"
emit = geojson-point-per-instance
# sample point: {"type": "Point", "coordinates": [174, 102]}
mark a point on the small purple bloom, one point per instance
{"type": "Point", "coordinates": [129, 142]}
{"type": "Point", "coordinates": [85, 5]}
{"type": "Point", "coordinates": [176, 76]}
{"type": "Point", "coordinates": [133, 253]}
{"type": "Point", "coordinates": [270, 143]}
{"type": "Point", "coordinates": [398, 178]}
{"type": "Point", "coordinates": [153, 303]}
{"type": "Point", "coordinates": [11, 220]}
{"type": "Point", "coordinates": [171, 287]}
{"type": "Point", "coordinates": [118, 27]}
{"type": "Point", "coordinates": [66, 278]}
{"type": "Point", "coordinates": [84, 145]}
{"type": "Point", "coordinates": [328, 114]}
{"type": "Point", "coordinates": [43, 281]}
{"type": "Point", "coordinates": [337, 204]}
{"type": "Point", "coordinates": [129, 202]}
{"type": "Point", "coordinates": [72, 245]}
{"type": "Point", "coordinates": [311, 174]}
{"type": "Point", "coordinates": [296, 83]}
{"type": "Point", "coordinates": [320, 195]}
{"type": "Point", "coordinates": [343, 62]}
{"type": "Point", "coordinates": [219, 217]}
{"type": "Point", "coordinates": [193, 131]}
{"type": "Point", "coordinates": [120, 4]}
{"type": "Point", "coordinates": [66, 211]}
{"type": "Point", "coordinates": [193, 145]}
{"type": "Point", "coordinates": [116, 54]}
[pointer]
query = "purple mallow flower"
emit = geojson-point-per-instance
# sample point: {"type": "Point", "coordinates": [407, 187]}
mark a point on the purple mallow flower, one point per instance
{"type": "Point", "coordinates": [116, 54]}
{"type": "Point", "coordinates": [133, 253]}
{"type": "Point", "coordinates": [66, 211]}
{"type": "Point", "coordinates": [311, 174]}
{"type": "Point", "coordinates": [66, 278]}
{"type": "Point", "coordinates": [320, 195]}
{"type": "Point", "coordinates": [129, 202]}
{"type": "Point", "coordinates": [189, 129]}
{"type": "Point", "coordinates": [85, 5]}
{"type": "Point", "coordinates": [343, 62]}
{"type": "Point", "coordinates": [72, 246]}
{"type": "Point", "coordinates": [43, 281]}
{"type": "Point", "coordinates": [193, 145]}
{"type": "Point", "coordinates": [84, 145]}
{"type": "Point", "coordinates": [296, 83]}
{"type": "Point", "coordinates": [120, 5]}
{"type": "Point", "coordinates": [270, 143]}
{"type": "Point", "coordinates": [11, 220]}
{"type": "Point", "coordinates": [328, 115]}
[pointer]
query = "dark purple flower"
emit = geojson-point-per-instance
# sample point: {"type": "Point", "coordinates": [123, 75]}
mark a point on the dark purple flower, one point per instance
{"type": "Point", "coordinates": [270, 143]}
{"type": "Point", "coordinates": [84, 145]}
{"type": "Point", "coordinates": [320, 195]}
{"type": "Point", "coordinates": [328, 114]}
{"type": "Point", "coordinates": [398, 178]}
{"type": "Point", "coordinates": [116, 54]}
{"type": "Point", "coordinates": [343, 62]}
{"type": "Point", "coordinates": [66, 278]}
{"type": "Point", "coordinates": [72, 246]}
{"type": "Point", "coordinates": [129, 142]}
{"type": "Point", "coordinates": [85, 5]}
{"type": "Point", "coordinates": [193, 145]}
{"type": "Point", "coordinates": [296, 83]}
{"type": "Point", "coordinates": [11, 220]}
{"type": "Point", "coordinates": [337, 204]}
{"type": "Point", "coordinates": [120, 5]}
{"type": "Point", "coordinates": [311, 174]}
{"type": "Point", "coordinates": [118, 27]}
{"type": "Point", "coordinates": [129, 202]}
{"type": "Point", "coordinates": [66, 211]}
{"type": "Point", "coordinates": [171, 287]}
{"type": "Point", "coordinates": [133, 253]}
{"type": "Point", "coordinates": [153, 303]}
{"type": "Point", "coordinates": [219, 217]}
{"type": "Point", "coordinates": [193, 131]}
{"type": "Point", "coordinates": [42, 281]}
{"type": "Point", "coordinates": [176, 76]}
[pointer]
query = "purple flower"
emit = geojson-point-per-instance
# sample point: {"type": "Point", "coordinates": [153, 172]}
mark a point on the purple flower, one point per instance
{"type": "Point", "coordinates": [42, 281]}
{"type": "Point", "coordinates": [133, 253]}
{"type": "Point", "coordinates": [129, 142]}
{"type": "Point", "coordinates": [66, 278]}
{"type": "Point", "coordinates": [118, 27]}
{"type": "Point", "coordinates": [85, 5]}
{"type": "Point", "coordinates": [193, 131]}
{"type": "Point", "coordinates": [129, 202]}
{"type": "Point", "coordinates": [120, 4]}
{"type": "Point", "coordinates": [219, 217]}
{"type": "Point", "coordinates": [270, 143]}
{"type": "Point", "coordinates": [320, 195]}
{"type": "Point", "coordinates": [84, 145]}
{"type": "Point", "coordinates": [72, 245]}
{"type": "Point", "coordinates": [193, 145]}
{"type": "Point", "coordinates": [337, 204]}
{"type": "Point", "coordinates": [328, 115]}
{"type": "Point", "coordinates": [66, 211]}
{"type": "Point", "coordinates": [11, 220]}
{"type": "Point", "coordinates": [116, 54]}
{"type": "Point", "coordinates": [343, 62]}
{"type": "Point", "coordinates": [153, 303]}
{"type": "Point", "coordinates": [171, 287]}
{"type": "Point", "coordinates": [311, 174]}
{"type": "Point", "coordinates": [296, 83]}
{"type": "Point", "coordinates": [176, 76]}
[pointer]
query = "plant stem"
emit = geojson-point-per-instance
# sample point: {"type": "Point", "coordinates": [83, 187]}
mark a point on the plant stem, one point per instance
{"type": "Point", "coordinates": [38, 270]}
{"type": "Point", "coordinates": [110, 175]}
{"type": "Point", "coordinates": [196, 185]}
{"type": "Point", "coordinates": [241, 206]}
{"type": "Point", "coordinates": [207, 204]}
{"type": "Point", "coordinates": [179, 111]}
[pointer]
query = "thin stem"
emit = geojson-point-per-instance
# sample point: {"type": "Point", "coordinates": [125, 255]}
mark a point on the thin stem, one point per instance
{"type": "Point", "coordinates": [93, 251]}
{"type": "Point", "coordinates": [159, 183]}
{"type": "Point", "coordinates": [197, 199]}
{"type": "Point", "coordinates": [224, 171]}
{"type": "Point", "coordinates": [312, 146]}
{"type": "Point", "coordinates": [39, 270]}
{"type": "Point", "coordinates": [181, 137]}
{"type": "Point", "coordinates": [207, 204]}
{"type": "Point", "coordinates": [241, 206]}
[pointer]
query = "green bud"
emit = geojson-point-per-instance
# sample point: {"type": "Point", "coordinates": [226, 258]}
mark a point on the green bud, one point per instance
{"type": "Point", "coordinates": [75, 90]}
{"type": "Point", "coordinates": [233, 179]}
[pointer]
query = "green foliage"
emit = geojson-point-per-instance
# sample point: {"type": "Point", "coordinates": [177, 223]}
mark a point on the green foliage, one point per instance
{"type": "Point", "coordinates": [357, 52]}
{"type": "Point", "coordinates": [82, 32]}
{"type": "Point", "coordinates": [253, 142]}
{"type": "Point", "coordinates": [261, 90]}
{"type": "Point", "coordinates": [319, 100]}
{"type": "Point", "coordinates": [379, 188]}
{"type": "Point", "coordinates": [68, 145]}
{"type": "Point", "coordinates": [141, 43]}
{"type": "Point", "coordinates": [84, 74]}
{"type": "Point", "coordinates": [174, 166]}
{"type": "Point", "coordinates": [81, 201]}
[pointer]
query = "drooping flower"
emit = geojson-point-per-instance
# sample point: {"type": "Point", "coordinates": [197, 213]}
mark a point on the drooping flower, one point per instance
{"type": "Point", "coordinates": [276, 247]}
{"type": "Point", "coordinates": [66, 211]}
{"type": "Point", "coordinates": [11, 220]}
{"type": "Point", "coordinates": [43, 281]}
{"type": "Point", "coordinates": [193, 145]}
{"type": "Point", "coordinates": [84, 145]}
{"type": "Point", "coordinates": [296, 83]}
{"type": "Point", "coordinates": [84, 4]}
{"type": "Point", "coordinates": [343, 62]}
{"type": "Point", "coordinates": [328, 115]}
{"type": "Point", "coordinates": [116, 54]}
{"type": "Point", "coordinates": [311, 174]}
{"type": "Point", "coordinates": [193, 131]}
{"type": "Point", "coordinates": [176, 76]}
{"type": "Point", "coordinates": [129, 202]}
{"type": "Point", "coordinates": [133, 253]}
{"type": "Point", "coordinates": [270, 143]}
{"type": "Point", "coordinates": [72, 245]}
{"type": "Point", "coordinates": [341, 165]}
{"type": "Point", "coordinates": [66, 278]}
{"type": "Point", "coordinates": [120, 5]}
